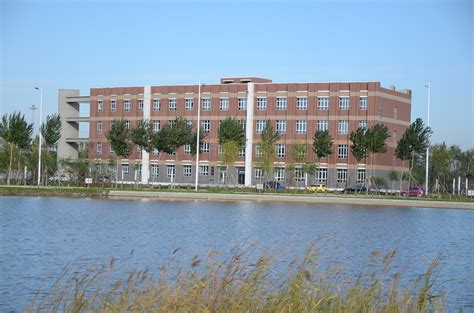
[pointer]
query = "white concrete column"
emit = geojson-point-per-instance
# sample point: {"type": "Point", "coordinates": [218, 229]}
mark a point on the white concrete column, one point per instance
{"type": "Point", "coordinates": [146, 116]}
{"type": "Point", "coordinates": [249, 135]}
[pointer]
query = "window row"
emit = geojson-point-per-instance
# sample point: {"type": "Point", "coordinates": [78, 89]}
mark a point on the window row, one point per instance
{"type": "Point", "coordinates": [321, 174]}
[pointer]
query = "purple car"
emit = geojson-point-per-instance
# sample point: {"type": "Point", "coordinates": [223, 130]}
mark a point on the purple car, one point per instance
{"type": "Point", "coordinates": [414, 192]}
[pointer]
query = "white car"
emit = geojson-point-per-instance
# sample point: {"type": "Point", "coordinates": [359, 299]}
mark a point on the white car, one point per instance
{"type": "Point", "coordinates": [61, 177]}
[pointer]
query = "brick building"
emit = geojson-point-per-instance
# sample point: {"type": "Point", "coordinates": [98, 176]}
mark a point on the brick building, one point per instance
{"type": "Point", "coordinates": [296, 110]}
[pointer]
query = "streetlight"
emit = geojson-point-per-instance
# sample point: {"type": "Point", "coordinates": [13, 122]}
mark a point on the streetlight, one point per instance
{"type": "Point", "coordinates": [428, 148]}
{"type": "Point", "coordinates": [197, 139]}
{"type": "Point", "coordinates": [39, 147]}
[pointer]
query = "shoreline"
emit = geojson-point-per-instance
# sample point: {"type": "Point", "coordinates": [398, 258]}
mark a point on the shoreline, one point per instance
{"type": "Point", "coordinates": [98, 193]}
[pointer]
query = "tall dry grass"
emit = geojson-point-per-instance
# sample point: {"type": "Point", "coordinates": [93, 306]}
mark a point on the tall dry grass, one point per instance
{"type": "Point", "coordinates": [244, 283]}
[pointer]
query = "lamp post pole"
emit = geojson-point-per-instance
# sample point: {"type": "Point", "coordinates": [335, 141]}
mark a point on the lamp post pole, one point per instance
{"type": "Point", "coordinates": [39, 133]}
{"type": "Point", "coordinates": [428, 148]}
{"type": "Point", "coordinates": [197, 139]}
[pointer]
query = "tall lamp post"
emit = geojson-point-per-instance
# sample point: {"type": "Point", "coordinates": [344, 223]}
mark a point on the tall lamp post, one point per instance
{"type": "Point", "coordinates": [197, 139]}
{"type": "Point", "coordinates": [39, 133]}
{"type": "Point", "coordinates": [428, 148]}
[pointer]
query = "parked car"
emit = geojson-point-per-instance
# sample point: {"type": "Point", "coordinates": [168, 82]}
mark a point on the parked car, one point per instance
{"type": "Point", "coordinates": [317, 188]}
{"type": "Point", "coordinates": [355, 188]}
{"type": "Point", "coordinates": [273, 185]}
{"type": "Point", "coordinates": [61, 177]}
{"type": "Point", "coordinates": [414, 192]}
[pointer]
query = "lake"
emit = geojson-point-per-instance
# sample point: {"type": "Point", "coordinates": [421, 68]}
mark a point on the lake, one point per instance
{"type": "Point", "coordinates": [40, 235]}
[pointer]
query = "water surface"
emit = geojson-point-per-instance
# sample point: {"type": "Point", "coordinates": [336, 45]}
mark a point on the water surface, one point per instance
{"type": "Point", "coordinates": [39, 236]}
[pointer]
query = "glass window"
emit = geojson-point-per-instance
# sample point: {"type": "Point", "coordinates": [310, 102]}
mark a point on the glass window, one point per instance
{"type": "Point", "coordinates": [100, 106]}
{"type": "Point", "coordinates": [261, 103]}
{"type": "Point", "coordinates": [281, 103]}
{"type": "Point", "coordinates": [140, 105]}
{"type": "Point", "coordinates": [206, 104]}
{"type": "Point", "coordinates": [170, 171]}
{"type": "Point", "coordinates": [322, 174]}
{"type": "Point", "coordinates": [343, 127]}
{"type": "Point", "coordinates": [279, 173]}
{"type": "Point", "coordinates": [156, 105]}
{"type": "Point", "coordinates": [342, 151]}
{"type": "Point", "coordinates": [127, 105]}
{"type": "Point", "coordinates": [125, 168]}
{"type": "Point", "coordinates": [156, 126]}
{"type": "Point", "coordinates": [323, 103]}
{"type": "Point", "coordinates": [224, 104]}
{"type": "Point", "coordinates": [301, 127]}
{"type": "Point", "coordinates": [323, 125]}
{"type": "Point", "coordinates": [261, 124]}
{"type": "Point", "coordinates": [206, 126]}
{"type": "Point", "coordinates": [299, 174]}
{"type": "Point", "coordinates": [258, 151]}
{"type": "Point", "coordinates": [99, 127]}
{"type": "Point", "coordinates": [242, 104]}
{"type": "Point", "coordinates": [189, 104]}
{"type": "Point", "coordinates": [154, 170]}
{"type": "Point", "coordinates": [344, 103]}
{"type": "Point", "coordinates": [99, 147]}
{"type": "Point", "coordinates": [187, 149]}
{"type": "Point", "coordinates": [242, 151]}
{"type": "Point", "coordinates": [204, 170]}
{"type": "Point", "coordinates": [301, 103]}
{"type": "Point", "coordinates": [280, 150]}
{"type": "Point", "coordinates": [363, 103]}
{"type": "Point", "coordinates": [362, 124]}
{"type": "Point", "coordinates": [127, 124]}
{"type": "Point", "coordinates": [205, 147]}
{"type": "Point", "coordinates": [187, 170]}
{"type": "Point", "coordinates": [258, 173]}
{"type": "Point", "coordinates": [113, 105]}
{"type": "Point", "coordinates": [280, 126]}
{"type": "Point", "coordinates": [342, 175]}
{"type": "Point", "coordinates": [172, 104]}
{"type": "Point", "coordinates": [361, 175]}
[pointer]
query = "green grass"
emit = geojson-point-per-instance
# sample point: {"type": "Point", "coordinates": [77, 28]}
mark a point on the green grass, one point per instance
{"type": "Point", "coordinates": [243, 283]}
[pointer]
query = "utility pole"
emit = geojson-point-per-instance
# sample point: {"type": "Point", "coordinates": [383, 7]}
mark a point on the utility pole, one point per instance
{"type": "Point", "coordinates": [428, 148]}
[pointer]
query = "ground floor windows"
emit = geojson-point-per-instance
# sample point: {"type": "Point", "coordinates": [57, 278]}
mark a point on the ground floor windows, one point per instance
{"type": "Point", "coordinates": [322, 174]}
{"type": "Point", "coordinates": [341, 175]}
{"type": "Point", "coordinates": [279, 173]}
{"type": "Point", "coordinates": [187, 170]}
{"type": "Point", "coordinates": [258, 173]}
{"type": "Point", "coordinates": [361, 175]}
{"type": "Point", "coordinates": [170, 171]}
{"type": "Point", "coordinates": [125, 168]}
{"type": "Point", "coordinates": [154, 170]}
{"type": "Point", "coordinates": [204, 170]}
{"type": "Point", "coordinates": [299, 174]}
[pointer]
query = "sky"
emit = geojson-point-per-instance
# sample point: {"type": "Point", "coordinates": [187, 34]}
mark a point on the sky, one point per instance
{"type": "Point", "coordinates": [85, 44]}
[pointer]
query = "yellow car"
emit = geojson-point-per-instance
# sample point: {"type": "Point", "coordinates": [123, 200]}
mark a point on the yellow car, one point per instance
{"type": "Point", "coordinates": [317, 188]}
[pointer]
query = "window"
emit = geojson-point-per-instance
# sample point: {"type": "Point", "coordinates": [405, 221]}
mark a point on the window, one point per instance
{"type": "Point", "coordinates": [322, 174]}
{"type": "Point", "coordinates": [261, 103]}
{"type": "Point", "coordinates": [139, 169]}
{"type": "Point", "coordinates": [206, 126]}
{"type": "Point", "coordinates": [261, 124]}
{"type": "Point", "coordinates": [204, 170]}
{"type": "Point", "coordinates": [111, 150]}
{"type": "Point", "coordinates": [342, 175]}
{"type": "Point", "coordinates": [394, 136]}
{"type": "Point", "coordinates": [281, 103]}
{"type": "Point", "coordinates": [258, 151]}
{"type": "Point", "coordinates": [344, 103]}
{"type": "Point", "coordinates": [189, 123]}
{"type": "Point", "coordinates": [189, 104]}
{"type": "Point", "coordinates": [206, 104]}
{"type": "Point", "coordinates": [156, 126]}
{"type": "Point", "coordinates": [301, 103]}
{"type": "Point", "coordinates": [140, 105]}
{"type": "Point", "coordinates": [242, 151]}
{"type": "Point", "coordinates": [322, 125]}
{"type": "Point", "coordinates": [205, 147]}
{"type": "Point", "coordinates": [127, 124]}
{"type": "Point", "coordinates": [170, 171]}
{"type": "Point", "coordinates": [127, 105]}
{"type": "Point", "coordinates": [187, 170]}
{"type": "Point", "coordinates": [299, 174]}
{"type": "Point", "coordinates": [155, 151]}
{"type": "Point", "coordinates": [258, 173]}
{"type": "Point", "coordinates": [154, 170]}
{"type": "Point", "coordinates": [280, 150]}
{"type": "Point", "coordinates": [125, 168]}
{"type": "Point", "coordinates": [342, 151]}
{"type": "Point", "coordinates": [224, 104]}
{"type": "Point", "coordinates": [363, 103]}
{"type": "Point", "coordinates": [187, 149]}
{"type": "Point", "coordinates": [156, 105]}
{"type": "Point", "coordinates": [242, 104]}
{"type": "Point", "coordinates": [99, 147]}
{"type": "Point", "coordinates": [301, 126]}
{"type": "Point", "coordinates": [243, 123]}
{"type": "Point", "coordinates": [113, 105]}
{"type": "Point", "coordinates": [279, 173]}
{"type": "Point", "coordinates": [361, 175]}
{"type": "Point", "coordinates": [172, 104]}
{"type": "Point", "coordinates": [281, 126]}
{"type": "Point", "coordinates": [220, 151]}
{"type": "Point", "coordinates": [100, 106]}
{"type": "Point", "coordinates": [99, 127]}
{"type": "Point", "coordinates": [395, 112]}
{"type": "Point", "coordinates": [362, 124]}
{"type": "Point", "coordinates": [343, 127]}
{"type": "Point", "coordinates": [323, 103]}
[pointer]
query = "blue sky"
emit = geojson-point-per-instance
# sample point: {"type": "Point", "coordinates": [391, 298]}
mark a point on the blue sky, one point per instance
{"type": "Point", "coordinates": [84, 44]}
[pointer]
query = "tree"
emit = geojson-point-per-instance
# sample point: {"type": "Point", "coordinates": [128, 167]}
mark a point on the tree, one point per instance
{"type": "Point", "coordinates": [441, 159]}
{"type": "Point", "coordinates": [268, 139]}
{"type": "Point", "coordinates": [376, 143]}
{"type": "Point", "coordinates": [16, 133]}
{"type": "Point", "coordinates": [322, 145]}
{"type": "Point", "coordinates": [142, 136]}
{"type": "Point", "coordinates": [412, 145]}
{"type": "Point", "coordinates": [299, 153]}
{"type": "Point", "coordinates": [51, 132]}
{"type": "Point", "coordinates": [359, 144]}
{"type": "Point", "coordinates": [119, 138]}
{"type": "Point", "coordinates": [231, 139]}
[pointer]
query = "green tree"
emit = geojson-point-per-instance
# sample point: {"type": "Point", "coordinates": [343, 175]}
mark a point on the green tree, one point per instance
{"type": "Point", "coordinates": [119, 138]}
{"type": "Point", "coordinates": [299, 154]}
{"type": "Point", "coordinates": [322, 145]}
{"type": "Point", "coordinates": [268, 139]}
{"type": "Point", "coordinates": [359, 144]}
{"type": "Point", "coordinates": [231, 139]}
{"type": "Point", "coordinates": [16, 134]}
{"type": "Point", "coordinates": [51, 132]}
{"type": "Point", "coordinates": [142, 136]}
{"type": "Point", "coordinates": [376, 143]}
{"type": "Point", "coordinates": [412, 145]}
{"type": "Point", "coordinates": [441, 159]}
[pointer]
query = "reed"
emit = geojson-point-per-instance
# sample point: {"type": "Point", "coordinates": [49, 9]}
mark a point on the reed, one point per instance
{"type": "Point", "coordinates": [244, 282]}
